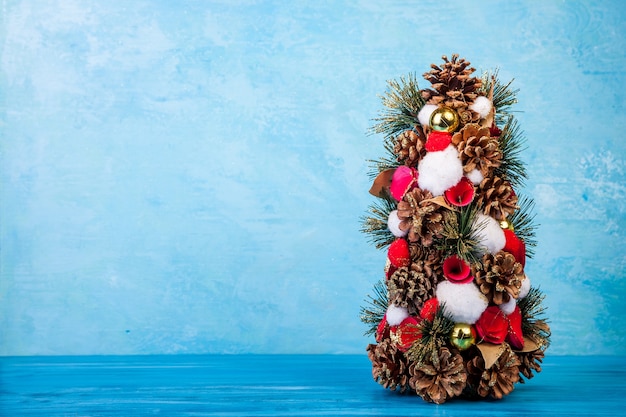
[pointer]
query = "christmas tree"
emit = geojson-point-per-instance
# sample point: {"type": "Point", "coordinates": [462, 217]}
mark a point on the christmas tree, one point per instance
{"type": "Point", "coordinates": [454, 315]}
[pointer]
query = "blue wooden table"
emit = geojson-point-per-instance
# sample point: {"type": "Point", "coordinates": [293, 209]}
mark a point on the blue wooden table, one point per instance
{"type": "Point", "coordinates": [282, 385]}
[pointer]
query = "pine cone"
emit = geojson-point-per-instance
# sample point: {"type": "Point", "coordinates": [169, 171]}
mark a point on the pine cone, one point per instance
{"type": "Point", "coordinates": [422, 218]}
{"type": "Point", "coordinates": [496, 197]}
{"type": "Point", "coordinates": [477, 149]}
{"type": "Point", "coordinates": [496, 381]}
{"type": "Point", "coordinates": [389, 366]}
{"type": "Point", "coordinates": [409, 146]}
{"type": "Point", "coordinates": [439, 379]}
{"type": "Point", "coordinates": [499, 277]}
{"type": "Point", "coordinates": [410, 288]}
{"type": "Point", "coordinates": [453, 86]}
{"type": "Point", "coordinates": [529, 362]}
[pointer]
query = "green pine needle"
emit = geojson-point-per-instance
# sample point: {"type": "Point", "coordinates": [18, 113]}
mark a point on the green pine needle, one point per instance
{"type": "Point", "coordinates": [376, 224]}
{"type": "Point", "coordinates": [376, 307]}
{"type": "Point", "coordinates": [389, 161]}
{"type": "Point", "coordinates": [512, 143]}
{"type": "Point", "coordinates": [504, 96]}
{"type": "Point", "coordinates": [459, 234]}
{"type": "Point", "coordinates": [534, 324]}
{"type": "Point", "coordinates": [435, 334]}
{"type": "Point", "coordinates": [402, 103]}
{"type": "Point", "coordinates": [523, 221]}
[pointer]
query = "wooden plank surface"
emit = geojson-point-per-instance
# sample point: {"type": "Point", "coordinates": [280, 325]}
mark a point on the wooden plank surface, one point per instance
{"type": "Point", "coordinates": [282, 385]}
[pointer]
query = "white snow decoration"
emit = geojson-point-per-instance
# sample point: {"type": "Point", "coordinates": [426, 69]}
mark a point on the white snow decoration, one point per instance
{"type": "Point", "coordinates": [525, 288]}
{"type": "Point", "coordinates": [464, 303]}
{"type": "Point", "coordinates": [481, 105]}
{"type": "Point", "coordinates": [475, 176]}
{"type": "Point", "coordinates": [395, 314]}
{"type": "Point", "coordinates": [488, 233]}
{"type": "Point", "coordinates": [508, 307]}
{"type": "Point", "coordinates": [439, 170]}
{"type": "Point", "coordinates": [424, 114]}
{"type": "Point", "coordinates": [393, 223]}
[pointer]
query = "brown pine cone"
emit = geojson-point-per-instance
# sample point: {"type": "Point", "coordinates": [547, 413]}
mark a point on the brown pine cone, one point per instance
{"type": "Point", "coordinates": [477, 149]}
{"type": "Point", "coordinates": [422, 218]}
{"type": "Point", "coordinates": [499, 277]}
{"type": "Point", "coordinates": [409, 146]}
{"type": "Point", "coordinates": [497, 381]}
{"type": "Point", "coordinates": [496, 197]}
{"type": "Point", "coordinates": [410, 288]}
{"type": "Point", "coordinates": [440, 379]}
{"type": "Point", "coordinates": [389, 366]}
{"type": "Point", "coordinates": [529, 362]}
{"type": "Point", "coordinates": [453, 86]}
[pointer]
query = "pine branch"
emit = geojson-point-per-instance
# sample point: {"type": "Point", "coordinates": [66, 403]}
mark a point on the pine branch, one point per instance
{"type": "Point", "coordinates": [376, 224]}
{"type": "Point", "coordinates": [376, 307]}
{"type": "Point", "coordinates": [523, 221]}
{"type": "Point", "coordinates": [435, 334]}
{"type": "Point", "coordinates": [459, 234]}
{"type": "Point", "coordinates": [389, 161]}
{"type": "Point", "coordinates": [402, 103]}
{"type": "Point", "coordinates": [512, 142]}
{"type": "Point", "coordinates": [504, 96]}
{"type": "Point", "coordinates": [534, 325]}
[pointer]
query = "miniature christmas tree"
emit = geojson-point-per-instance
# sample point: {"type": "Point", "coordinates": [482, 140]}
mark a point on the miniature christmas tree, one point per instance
{"type": "Point", "coordinates": [455, 314]}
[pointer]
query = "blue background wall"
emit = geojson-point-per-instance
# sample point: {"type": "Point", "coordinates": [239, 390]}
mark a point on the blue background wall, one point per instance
{"type": "Point", "coordinates": [188, 177]}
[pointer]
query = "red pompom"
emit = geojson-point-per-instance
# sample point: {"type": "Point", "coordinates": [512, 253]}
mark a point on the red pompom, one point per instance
{"type": "Point", "coordinates": [382, 331]}
{"type": "Point", "coordinates": [461, 194]}
{"type": "Point", "coordinates": [457, 270]}
{"type": "Point", "coordinates": [515, 246]}
{"type": "Point", "coordinates": [429, 309]}
{"type": "Point", "coordinates": [515, 336]}
{"type": "Point", "coordinates": [437, 141]}
{"type": "Point", "coordinates": [404, 178]}
{"type": "Point", "coordinates": [493, 326]}
{"type": "Point", "coordinates": [405, 334]}
{"type": "Point", "coordinates": [399, 254]}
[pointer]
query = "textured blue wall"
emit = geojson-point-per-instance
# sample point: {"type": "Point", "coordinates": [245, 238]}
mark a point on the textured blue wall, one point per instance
{"type": "Point", "coordinates": [188, 177]}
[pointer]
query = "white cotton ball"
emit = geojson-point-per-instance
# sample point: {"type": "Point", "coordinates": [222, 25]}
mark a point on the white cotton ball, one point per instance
{"type": "Point", "coordinates": [440, 170]}
{"type": "Point", "coordinates": [525, 288]}
{"type": "Point", "coordinates": [395, 314]}
{"type": "Point", "coordinates": [393, 222]}
{"type": "Point", "coordinates": [488, 233]}
{"type": "Point", "coordinates": [424, 114]}
{"type": "Point", "coordinates": [475, 176]}
{"type": "Point", "coordinates": [464, 303]}
{"type": "Point", "coordinates": [481, 105]}
{"type": "Point", "coordinates": [508, 307]}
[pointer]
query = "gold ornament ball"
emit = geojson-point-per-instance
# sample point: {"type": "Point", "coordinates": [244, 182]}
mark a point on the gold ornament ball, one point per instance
{"type": "Point", "coordinates": [505, 224]}
{"type": "Point", "coordinates": [463, 336]}
{"type": "Point", "coordinates": [444, 119]}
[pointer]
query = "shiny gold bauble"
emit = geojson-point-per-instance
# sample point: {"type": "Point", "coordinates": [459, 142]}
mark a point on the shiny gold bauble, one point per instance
{"type": "Point", "coordinates": [505, 224]}
{"type": "Point", "coordinates": [444, 119]}
{"type": "Point", "coordinates": [463, 336]}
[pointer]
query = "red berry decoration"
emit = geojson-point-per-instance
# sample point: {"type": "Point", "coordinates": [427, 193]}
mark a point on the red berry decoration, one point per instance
{"type": "Point", "coordinates": [461, 194]}
{"type": "Point", "coordinates": [457, 270]}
